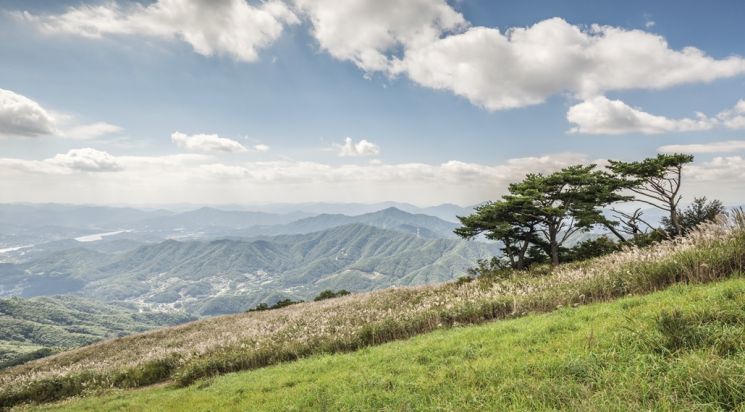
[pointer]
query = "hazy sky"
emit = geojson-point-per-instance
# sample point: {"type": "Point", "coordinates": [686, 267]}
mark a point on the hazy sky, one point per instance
{"type": "Point", "coordinates": [424, 101]}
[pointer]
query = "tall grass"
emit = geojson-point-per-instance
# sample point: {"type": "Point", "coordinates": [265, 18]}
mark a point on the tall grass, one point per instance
{"type": "Point", "coordinates": [215, 346]}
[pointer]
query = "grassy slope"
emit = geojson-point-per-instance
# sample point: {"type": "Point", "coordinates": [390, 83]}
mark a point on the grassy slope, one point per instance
{"type": "Point", "coordinates": [232, 343]}
{"type": "Point", "coordinates": [633, 354]}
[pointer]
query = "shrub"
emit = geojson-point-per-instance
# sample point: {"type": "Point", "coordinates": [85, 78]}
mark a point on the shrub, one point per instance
{"type": "Point", "coordinates": [280, 304]}
{"type": "Point", "coordinates": [260, 307]}
{"type": "Point", "coordinates": [330, 294]}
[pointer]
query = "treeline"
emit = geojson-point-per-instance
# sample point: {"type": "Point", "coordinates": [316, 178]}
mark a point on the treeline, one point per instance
{"type": "Point", "coordinates": [541, 214]}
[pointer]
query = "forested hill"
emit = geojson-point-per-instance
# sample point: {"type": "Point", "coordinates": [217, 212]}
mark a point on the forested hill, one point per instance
{"type": "Point", "coordinates": [35, 327]}
{"type": "Point", "coordinates": [229, 275]}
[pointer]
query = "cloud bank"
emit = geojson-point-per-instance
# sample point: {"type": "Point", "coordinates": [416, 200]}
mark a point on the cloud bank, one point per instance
{"type": "Point", "coordinates": [201, 178]}
{"type": "Point", "coordinates": [427, 41]}
{"type": "Point", "coordinates": [89, 175]}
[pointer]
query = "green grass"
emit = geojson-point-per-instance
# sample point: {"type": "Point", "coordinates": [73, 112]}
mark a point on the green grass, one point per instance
{"type": "Point", "coordinates": [190, 353]}
{"type": "Point", "coordinates": [679, 349]}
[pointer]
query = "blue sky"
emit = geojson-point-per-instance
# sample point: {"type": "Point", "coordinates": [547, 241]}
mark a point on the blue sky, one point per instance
{"type": "Point", "coordinates": [303, 94]}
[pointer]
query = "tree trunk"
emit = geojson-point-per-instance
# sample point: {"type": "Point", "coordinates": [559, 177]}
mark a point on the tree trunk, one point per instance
{"type": "Point", "coordinates": [552, 233]}
{"type": "Point", "coordinates": [521, 255]}
{"type": "Point", "coordinates": [675, 220]}
{"type": "Point", "coordinates": [508, 248]}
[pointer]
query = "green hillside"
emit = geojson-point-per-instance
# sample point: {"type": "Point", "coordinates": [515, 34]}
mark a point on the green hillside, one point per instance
{"type": "Point", "coordinates": [36, 327]}
{"type": "Point", "coordinates": [187, 354]}
{"type": "Point", "coordinates": [681, 349]}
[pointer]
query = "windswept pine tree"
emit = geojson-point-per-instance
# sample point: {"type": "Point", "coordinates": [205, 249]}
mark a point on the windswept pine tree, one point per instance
{"type": "Point", "coordinates": [656, 181]}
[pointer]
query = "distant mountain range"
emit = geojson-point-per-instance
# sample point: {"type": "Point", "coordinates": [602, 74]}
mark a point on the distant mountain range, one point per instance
{"type": "Point", "coordinates": [228, 275]}
{"type": "Point", "coordinates": [33, 224]}
{"type": "Point", "coordinates": [446, 211]}
{"type": "Point", "coordinates": [390, 218]}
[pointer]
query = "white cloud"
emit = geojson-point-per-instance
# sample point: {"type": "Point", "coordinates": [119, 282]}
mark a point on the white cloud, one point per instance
{"type": "Point", "coordinates": [21, 116]}
{"type": "Point", "coordinates": [426, 40]}
{"type": "Point", "coordinates": [86, 160]}
{"type": "Point", "coordinates": [230, 27]}
{"type": "Point", "coordinates": [207, 143]}
{"type": "Point", "coordinates": [76, 160]}
{"type": "Point", "coordinates": [601, 115]}
{"type": "Point", "coordinates": [525, 66]}
{"type": "Point", "coordinates": [714, 147]}
{"type": "Point", "coordinates": [90, 131]}
{"type": "Point", "coordinates": [92, 160]}
{"type": "Point", "coordinates": [91, 176]}
{"type": "Point", "coordinates": [734, 118]}
{"type": "Point", "coordinates": [362, 31]}
{"type": "Point", "coordinates": [361, 148]}
{"type": "Point", "coordinates": [68, 177]}
{"type": "Point", "coordinates": [429, 175]}
{"type": "Point", "coordinates": [730, 168]}
{"type": "Point", "coordinates": [261, 148]}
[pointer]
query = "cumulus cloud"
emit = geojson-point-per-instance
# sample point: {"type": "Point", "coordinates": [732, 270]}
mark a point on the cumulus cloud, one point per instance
{"type": "Point", "coordinates": [363, 31]}
{"type": "Point", "coordinates": [76, 160]}
{"type": "Point", "coordinates": [733, 118]}
{"type": "Point", "coordinates": [729, 168]}
{"type": "Point", "coordinates": [208, 143]}
{"type": "Point", "coordinates": [361, 148]}
{"type": "Point", "coordinates": [235, 28]}
{"type": "Point", "coordinates": [261, 148]}
{"type": "Point", "coordinates": [601, 115]}
{"type": "Point", "coordinates": [525, 66]}
{"type": "Point", "coordinates": [425, 40]}
{"type": "Point", "coordinates": [86, 160]}
{"type": "Point", "coordinates": [92, 160]}
{"type": "Point", "coordinates": [713, 147]}
{"type": "Point", "coordinates": [21, 116]}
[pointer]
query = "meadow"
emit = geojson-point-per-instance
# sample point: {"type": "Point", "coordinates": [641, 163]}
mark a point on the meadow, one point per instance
{"type": "Point", "coordinates": [185, 354]}
{"type": "Point", "coordinates": [679, 349]}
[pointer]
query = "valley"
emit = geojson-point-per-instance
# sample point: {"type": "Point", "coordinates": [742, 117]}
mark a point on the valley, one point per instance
{"type": "Point", "coordinates": [207, 262]}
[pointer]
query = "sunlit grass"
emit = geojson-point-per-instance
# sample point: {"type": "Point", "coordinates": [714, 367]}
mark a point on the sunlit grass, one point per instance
{"type": "Point", "coordinates": [211, 347]}
{"type": "Point", "coordinates": [608, 356]}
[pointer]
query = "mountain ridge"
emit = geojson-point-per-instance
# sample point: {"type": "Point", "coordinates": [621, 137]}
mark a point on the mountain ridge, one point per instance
{"type": "Point", "coordinates": [230, 275]}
